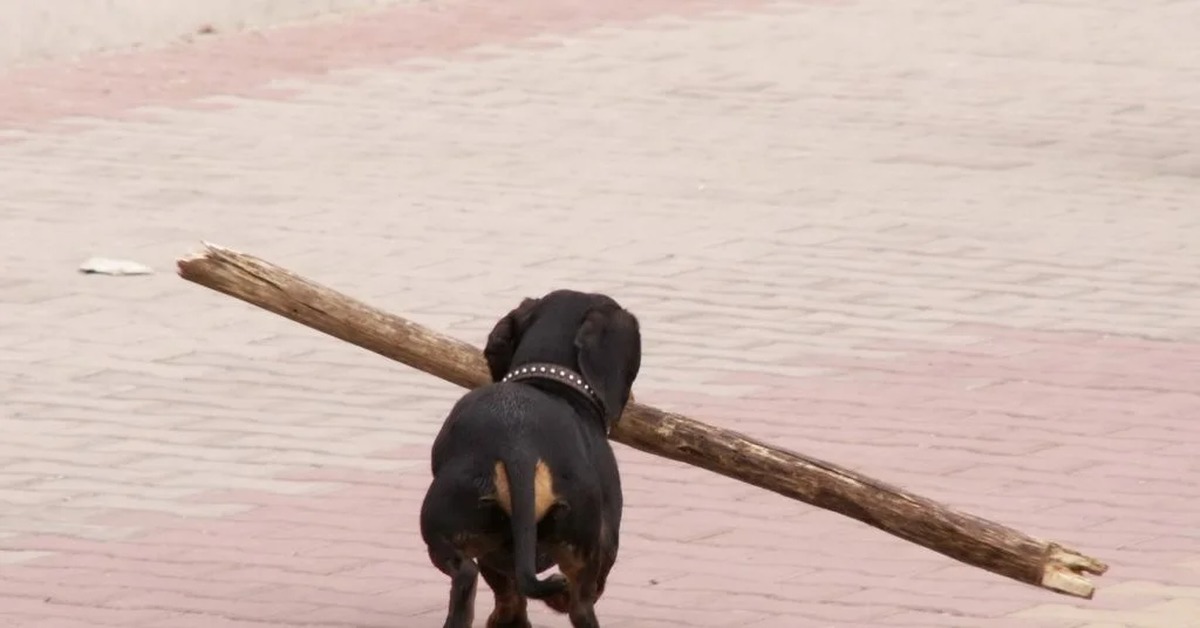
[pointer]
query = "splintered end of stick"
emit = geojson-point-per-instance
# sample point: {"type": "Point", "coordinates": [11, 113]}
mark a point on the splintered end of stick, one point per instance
{"type": "Point", "coordinates": [1066, 572]}
{"type": "Point", "coordinates": [209, 250]}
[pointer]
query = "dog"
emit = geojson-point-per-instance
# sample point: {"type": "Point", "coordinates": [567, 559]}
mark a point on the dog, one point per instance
{"type": "Point", "coordinates": [524, 477]}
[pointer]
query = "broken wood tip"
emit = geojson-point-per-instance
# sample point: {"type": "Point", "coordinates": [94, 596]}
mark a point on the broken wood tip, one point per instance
{"type": "Point", "coordinates": [210, 252]}
{"type": "Point", "coordinates": [1066, 572]}
{"type": "Point", "coordinates": [198, 255]}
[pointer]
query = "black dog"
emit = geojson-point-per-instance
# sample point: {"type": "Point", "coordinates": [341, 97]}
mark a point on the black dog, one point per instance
{"type": "Point", "coordinates": [523, 474]}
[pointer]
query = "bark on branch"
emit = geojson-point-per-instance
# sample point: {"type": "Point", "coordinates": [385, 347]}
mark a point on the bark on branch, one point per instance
{"type": "Point", "coordinates": [972, 540]}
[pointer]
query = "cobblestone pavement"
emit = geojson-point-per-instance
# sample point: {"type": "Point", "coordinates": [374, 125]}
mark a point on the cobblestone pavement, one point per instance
{"type": "Point", "coordinates": [953, 245]}
{"type": "Point", "coordinates": [31, 32]}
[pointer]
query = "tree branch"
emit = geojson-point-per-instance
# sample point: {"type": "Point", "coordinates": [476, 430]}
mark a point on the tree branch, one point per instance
{"type": "Point", "coordinates": [972, 540]}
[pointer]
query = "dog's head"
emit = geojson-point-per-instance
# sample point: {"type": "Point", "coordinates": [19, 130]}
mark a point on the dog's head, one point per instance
{"type": "Point", "coordinates": [588, 333]}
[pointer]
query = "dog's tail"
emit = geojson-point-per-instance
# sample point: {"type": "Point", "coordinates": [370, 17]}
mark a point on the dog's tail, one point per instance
{"type": "Point", "coordinates": [521, 473]}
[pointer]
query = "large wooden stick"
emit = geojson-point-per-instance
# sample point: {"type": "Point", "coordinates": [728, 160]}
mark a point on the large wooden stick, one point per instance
{"type": "Point", "coordinates": [974, 541]}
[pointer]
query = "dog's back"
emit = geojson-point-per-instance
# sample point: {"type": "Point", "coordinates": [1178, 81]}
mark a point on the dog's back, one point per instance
{"type": "Point", "coordinates": [523, 425]}
{"type": "Point", "coordinates": [508, 419]}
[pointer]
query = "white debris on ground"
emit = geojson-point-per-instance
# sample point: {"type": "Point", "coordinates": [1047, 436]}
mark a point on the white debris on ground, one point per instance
{"type": "Point", "coordinates": [116, 267]}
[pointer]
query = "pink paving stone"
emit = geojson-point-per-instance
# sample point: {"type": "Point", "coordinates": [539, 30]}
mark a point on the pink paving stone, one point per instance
{"type": "Point", "coordinates": [932, 618]}
{"type": "Point", "coordinates": [114, 84]}
{"type": "Point", "coordinates": [58, 622]}
{"type": "Point", "coordinates": [205, 620]}
{"type": "Point", "coordinates": [31, 609]}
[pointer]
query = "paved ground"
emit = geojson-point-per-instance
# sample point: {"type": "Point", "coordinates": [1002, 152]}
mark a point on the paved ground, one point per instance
{"type": "Point", "coordinates": [36, 31]}
{"type": "Point", "coordinates": [953, 246]}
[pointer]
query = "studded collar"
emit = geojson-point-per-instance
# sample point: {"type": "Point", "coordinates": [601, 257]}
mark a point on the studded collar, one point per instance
{"type": "Point", "coordinates": [556, 373]}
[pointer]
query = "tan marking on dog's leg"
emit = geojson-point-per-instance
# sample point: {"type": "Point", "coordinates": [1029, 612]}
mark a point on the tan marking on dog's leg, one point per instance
{"type": "Point", "coordinates": [511, 609]}
{"type": "Point", "coordinates": [543, 489]}
{"type": "Point", "coordinates": [569, 562]}
{"type": "Point", "coordinates": [500, 481]}
{"type": "Point", "coordinates": [572, 566]}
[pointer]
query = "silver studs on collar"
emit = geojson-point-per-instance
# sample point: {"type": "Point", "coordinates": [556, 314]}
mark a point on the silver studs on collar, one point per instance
{"type": "Point", "coordinates": [550, 371]}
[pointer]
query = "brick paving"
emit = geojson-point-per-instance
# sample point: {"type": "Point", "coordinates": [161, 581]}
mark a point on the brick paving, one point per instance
{"type": "Point", "coordinates": [949, 245]}
{"type": "Point", "coordinates": [35, 32]}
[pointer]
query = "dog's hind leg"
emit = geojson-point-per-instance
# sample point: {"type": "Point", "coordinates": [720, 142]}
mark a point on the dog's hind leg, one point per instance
{"type": "Point", "coordinates": [588, 575]}
{"type": "Point", "coordinates": [584, 593]}
{"type": "Point", "coordinates": [451, 534]}
{"type": "Point", "coordinates": [511, 607]}
{"type": "Point", "coordinates": [464, 576]}
{"type": "Point", "coordinates": [582, 569]}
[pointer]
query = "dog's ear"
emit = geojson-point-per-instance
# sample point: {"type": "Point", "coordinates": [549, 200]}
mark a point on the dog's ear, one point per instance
{"type": "Point", "coordinates": [610, 354]}
{"type": "Point", "coordinates": [505, 336]}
